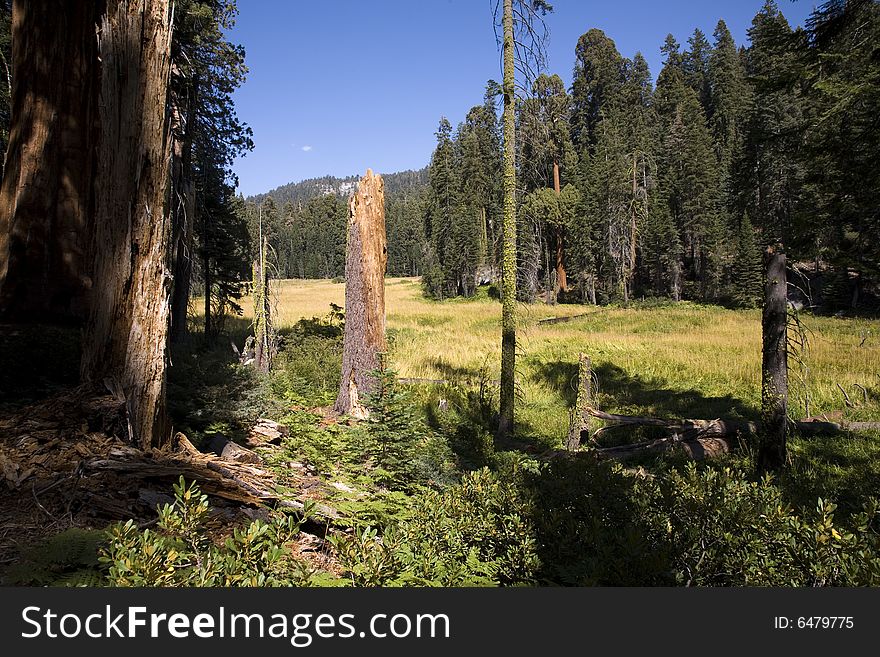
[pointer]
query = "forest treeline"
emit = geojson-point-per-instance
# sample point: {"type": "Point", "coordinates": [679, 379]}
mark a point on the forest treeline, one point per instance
{"type": "Point", "coordinates": [627, 188]}
{"type": "Point", "coordinates": [305, 224]}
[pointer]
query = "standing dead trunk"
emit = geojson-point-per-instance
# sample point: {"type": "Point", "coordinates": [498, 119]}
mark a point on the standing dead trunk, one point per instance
{"type": "Point", "coordinates": [182, 206]}
{"type": "Point", "coordinates": [209, 283]}
{"type": "Point", "coordinates": [774, 364]}
{"type": "Point", "coordinates": [365, 261]}
{"type": "Point", "coordinates": [46, 195]}
{"type": "Point", "coordinates": [125, 342]}
{"type": "Point", "coordinates": [262, 317]}
{"type": "Point", "coordinates": [579, 421]}
{"type": "Point", "coordinates": [561, 278]}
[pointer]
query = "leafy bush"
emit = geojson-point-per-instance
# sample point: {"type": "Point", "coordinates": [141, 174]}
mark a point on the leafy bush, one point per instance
{"type": "Point", "coordinates": [472, 534]}
{"type": "Point", "coordinates": [181, 554]}
{"type": "Point", "coordinates": [573, 521]}
{"type": "Point", "coordinates": [69, 558]}
{"type": "Point", "coordinates": [728, 531]}
{"type": "Point", "coordinates": [307, 368]}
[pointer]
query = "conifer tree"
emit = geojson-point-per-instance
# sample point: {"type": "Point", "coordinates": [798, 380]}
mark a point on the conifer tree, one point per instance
{"type": "Point", "coordinates": [839, 222]}
{"type": "Point", "coordinates": [690, 181]}
{"type": "Point", "coordinates": [771, 177]}
{"type": "Point", "coordinates": [695, 66]}
{"type": "Point", "coordinates": [440, 214]}
{"type": "Point", "coordinates": [747, 267]}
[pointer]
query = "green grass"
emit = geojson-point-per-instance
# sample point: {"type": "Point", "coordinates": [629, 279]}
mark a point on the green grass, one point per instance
{"type": "Point", "coordinates": [658, 359]}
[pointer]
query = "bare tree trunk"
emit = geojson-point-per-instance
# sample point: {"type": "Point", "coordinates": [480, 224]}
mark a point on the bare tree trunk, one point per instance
{"type": "Point", "coordinates": [262, 318]}
{"type": "Point", "coordinates": [774, 365]}
{"type": "Point", "coordinates": [579, 422]}
{"type": "Point", "coordinates": [125, 343]}
{"type": "Point", "coordinates": [561, 278]}
{"type": "Point", "coordinates": [366, 257]}
{"type": "Point", "coordinates": [206, 274]}
{"type": "Point", "coordinates": [46, 195]}
{"type": "Point", "coordinates": [508, 229]}
{"type": "Point", "coordinates": [182, 208]}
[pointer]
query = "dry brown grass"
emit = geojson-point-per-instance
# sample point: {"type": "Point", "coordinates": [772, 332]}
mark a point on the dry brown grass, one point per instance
{"type": "Point", "coordinates": [666, 359]}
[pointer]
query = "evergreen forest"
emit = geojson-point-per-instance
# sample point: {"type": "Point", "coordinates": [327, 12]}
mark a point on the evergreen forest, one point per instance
{"type": "Point", "coordinates": [617, 331]}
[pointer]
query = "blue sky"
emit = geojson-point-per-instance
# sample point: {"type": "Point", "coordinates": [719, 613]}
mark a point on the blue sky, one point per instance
{"type": "Point", "coordinates": [341, 85]}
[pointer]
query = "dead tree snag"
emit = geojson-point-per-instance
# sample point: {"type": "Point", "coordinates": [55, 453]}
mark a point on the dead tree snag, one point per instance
{"type": "Point", "coordinates": [365, 261]}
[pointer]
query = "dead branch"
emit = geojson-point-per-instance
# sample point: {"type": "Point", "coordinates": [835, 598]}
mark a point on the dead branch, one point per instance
{"type": "Point", "coordinates": [846, 398]}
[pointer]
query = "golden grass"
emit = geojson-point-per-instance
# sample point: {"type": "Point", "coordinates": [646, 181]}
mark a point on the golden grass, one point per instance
{"type": "Point", "coordinates": [672, 359]}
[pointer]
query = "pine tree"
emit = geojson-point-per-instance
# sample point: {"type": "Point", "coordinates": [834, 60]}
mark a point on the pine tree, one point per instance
{"type": "Point", "coordinates": [728, 100]}
{"type": "Point", "coordinates": [770, 175]}
{"type": "Point", "coordinates": [598, 77]}
{"type": "Point", "coordinates": [695, 66]}
{"type": "Point", "coordinates": [207, 136]}
{"type": "Point", "coordinates": [548, 157]}
{"type": "Point", "coordinates": [691, 182]}
{"type": "Point", "coordinates": [839, 223]}
{"type": "Point", "coordinates": [747, 268]}
{"type": "Point", "coordinates": [443, 202]}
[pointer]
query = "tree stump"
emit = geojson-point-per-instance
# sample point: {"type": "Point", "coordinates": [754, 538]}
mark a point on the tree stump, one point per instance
{"type": "Point", "coordinates": [579, 421]}
{"type": "Point", "coordinates": [366, 257]}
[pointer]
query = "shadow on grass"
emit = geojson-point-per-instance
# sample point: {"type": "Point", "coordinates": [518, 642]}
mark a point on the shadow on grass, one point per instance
{"type": "Point", "coordinates": [620, 390]}
{"type": "Point", "coordinates": [844, 468]}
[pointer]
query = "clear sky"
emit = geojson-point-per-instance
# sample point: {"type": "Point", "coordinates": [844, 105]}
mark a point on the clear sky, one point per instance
{"type": "Point", "coordinates": [336, 86]}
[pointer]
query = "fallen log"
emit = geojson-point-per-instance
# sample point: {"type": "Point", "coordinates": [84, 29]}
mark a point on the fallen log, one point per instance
{"type": "Point", "coordinates": [561, 320]}
{"type": "Point", "coordinates": [225, 479]}
{"type": "Point", "coordinates": [725, 427]}
{"type": "Point", "coordinates": [702, 439]}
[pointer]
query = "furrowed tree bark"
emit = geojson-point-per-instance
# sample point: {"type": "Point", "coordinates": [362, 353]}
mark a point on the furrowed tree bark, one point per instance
{"type": "Point", "coordinates": [366, 258]}
{"type": "Point", "coordinates": [508, 231]}
{"type": "Point", "coordinates": [46, 194]}
{"type": "Point", "coordinates": [125, 342]}
{"type": "Point", "coordinates": [774, 363]}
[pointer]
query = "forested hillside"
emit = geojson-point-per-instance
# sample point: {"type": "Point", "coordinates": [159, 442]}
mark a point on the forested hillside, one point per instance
{"type": "Point", "coordinates": [305, 224]}
{"type": "Point", "coordinates": [629, 188]}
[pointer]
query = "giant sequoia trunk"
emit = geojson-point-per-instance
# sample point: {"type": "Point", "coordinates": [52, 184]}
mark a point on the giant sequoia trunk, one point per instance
{"type": "Point", "coordinates": [125, 342]}
{"type": "Point", "coordinates": [774, 365]}
{"type": "Point", "coordinates": [46, 194]}
{"type": "Point", "coordinates": [365, 261]}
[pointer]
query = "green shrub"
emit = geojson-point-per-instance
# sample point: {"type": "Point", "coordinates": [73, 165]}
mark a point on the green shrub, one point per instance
{"type": "Point", "coordinates": [181, 554]}
{"type": "Point", "coordinates": [307, 368]}
{"type": "Point", "coordinates": [728, 531]}
{"type": "Point", "coordinates": [472, 534]}
{"type": "Point", "coordinates": [408, 454]}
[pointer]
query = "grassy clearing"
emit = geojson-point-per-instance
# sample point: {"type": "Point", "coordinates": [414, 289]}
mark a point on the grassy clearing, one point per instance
{"type": "Point", "coordinates": [669, 360]}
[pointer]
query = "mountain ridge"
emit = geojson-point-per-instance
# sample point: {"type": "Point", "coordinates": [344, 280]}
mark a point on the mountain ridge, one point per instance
{"type": "Point", "coordinates": [397, 184]}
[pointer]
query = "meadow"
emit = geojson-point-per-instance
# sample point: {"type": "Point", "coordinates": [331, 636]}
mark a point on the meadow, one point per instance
{"type": "Point", "coordinates": [661, 359]}
{"type": "Point", "coordinates": [677, 360]}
